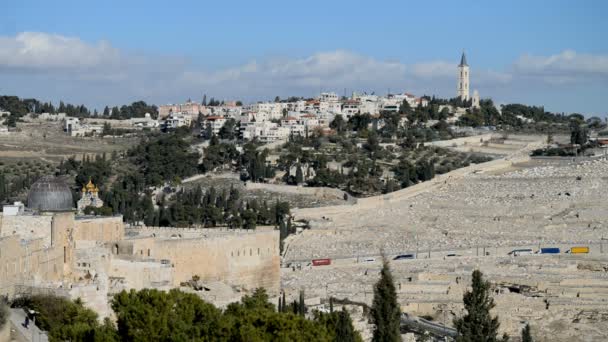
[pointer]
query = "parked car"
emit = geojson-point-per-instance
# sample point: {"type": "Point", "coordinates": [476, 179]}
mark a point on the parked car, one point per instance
{"type": "Point", "coordinates": [405, 256]}
{"type": "Point", "coordinates": [521, 251]}
{"type": "Point", "coordinates": [578, 250]}
{"type": "Point", "coordinates": [548, 250]}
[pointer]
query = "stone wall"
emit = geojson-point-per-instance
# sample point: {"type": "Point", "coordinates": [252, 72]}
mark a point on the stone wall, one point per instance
{"type": "Point", "coordinates": [476, 139]}
{"type": "Point", "coordinates": [27, 262]}
{"type": "Point", "coordinates": [249, 260]}
{"type": "Point", "coordinates": [27, 227]}
{"type": "Point", "coordinates": [139, 275]}
{"type": "Point", "coordinates": [319, 192]}
{"type": "Point", "coordinates": [103, 229]}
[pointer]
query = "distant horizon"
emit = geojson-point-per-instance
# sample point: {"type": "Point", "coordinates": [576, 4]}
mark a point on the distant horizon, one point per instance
{"type": "Point", "coordinates": [101, 109]}
{"type": "Point", "coordinates": [108, 53]}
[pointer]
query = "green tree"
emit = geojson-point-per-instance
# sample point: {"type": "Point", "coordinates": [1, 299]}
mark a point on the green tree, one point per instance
{"type": "Point", "coordinates": [339, 124]}
{"type": "Point", "coordinates": [152, 315]}
{"type": "Point", "coordinates": [228, 130]}
{"type": "Point", "coordinates": [66, 320]}
{"type": "Point", "coordinates": [345, 332]}
{"type": "Point", "coordinates": [526, 334]}
{"type": "Point", "coordinates": [385, 310]}
{"type": "Point", "coordinates": [478, 325]}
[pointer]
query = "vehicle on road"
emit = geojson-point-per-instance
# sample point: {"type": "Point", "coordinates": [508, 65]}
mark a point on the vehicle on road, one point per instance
{"type": "Point", "coordinates": [367, 259]}
{"type": "Point", "coordinates": [548, 250]}
{"type": "Point", "coordinates": [521, 251]}
{"type": "Point", "coordinates": [578, 250]}
{"type": "Point", "coordinates": [321, 262]}
{"type": "Point", "coordinates": [405, 256]}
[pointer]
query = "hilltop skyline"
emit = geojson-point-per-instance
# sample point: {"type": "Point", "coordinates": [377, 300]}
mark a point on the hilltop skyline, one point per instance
{"type": "Point", "coordinates": [98, 55]}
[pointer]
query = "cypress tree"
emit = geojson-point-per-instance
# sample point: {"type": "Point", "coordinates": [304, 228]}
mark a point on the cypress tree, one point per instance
{"type": "Point", "coordinates": [478, 325]}
{"type": "Point", "coordinates": [526, 334]}
{"type": "Point", "coordinates": [302, 306]}
{"type": "Point", "coordinates": [385, 310]}
{"type": "Point", "coordinates": [299, 175]}
{"type": "Point", "coordinates": [283, 308]}
{"type": "Point", "coordinates": [345, 332]}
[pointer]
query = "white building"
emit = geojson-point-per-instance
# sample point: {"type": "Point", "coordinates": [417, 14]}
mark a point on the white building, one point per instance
{"type": "Point", "coordinates": [145, 122]}
{"type": "Point", "coordinates": [71, 124]}
{"type": "Point", "coordinates": [265, 131]}
{"type": "Point", "coordinates": [350, 108]}
{"type": "Point", "coordinates": [215, 123]}
{"type": "Point", "coordinates": [15, 209]}
{"type": "Point", "coordinates": [176, 120]}
{"type": "Point", "coordinates": [328, 97]}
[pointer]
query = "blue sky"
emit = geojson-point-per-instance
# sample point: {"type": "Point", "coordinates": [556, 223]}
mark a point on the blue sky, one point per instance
{"type": "Point", "coordinates": [552, 53]}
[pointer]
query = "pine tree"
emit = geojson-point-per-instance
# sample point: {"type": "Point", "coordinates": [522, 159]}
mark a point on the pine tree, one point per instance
{"type": "Point", "coordinates": [385, 309]}
{"type": "Point", "coordinates": [526, 335]}
{"type": "Point", "coordinates": [478, 325]}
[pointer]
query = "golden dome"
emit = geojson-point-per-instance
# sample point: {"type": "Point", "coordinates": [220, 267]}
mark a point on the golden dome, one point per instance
{"type": "Point", "coordinates": [90, 185]}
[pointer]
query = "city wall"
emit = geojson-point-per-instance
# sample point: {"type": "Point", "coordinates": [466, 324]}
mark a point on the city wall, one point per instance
{"type": "Point", "coordinates": [102, 229]}
{"type": "Point", "coordinates": [27, 262]}
{"type": "Point", "coordinates": [27, 227]}
{"type": "Point", "coordinates": [249, 260]}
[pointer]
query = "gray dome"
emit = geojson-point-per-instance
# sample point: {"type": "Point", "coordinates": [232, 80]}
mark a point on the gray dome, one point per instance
{"type": "Point", "coordinates": [49, 194]}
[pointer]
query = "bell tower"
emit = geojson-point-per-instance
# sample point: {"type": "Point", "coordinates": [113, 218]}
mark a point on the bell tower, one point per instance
{"type": "Point", "coordinates": [463, 78]}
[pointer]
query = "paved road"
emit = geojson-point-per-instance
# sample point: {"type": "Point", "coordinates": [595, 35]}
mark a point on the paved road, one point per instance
{"type": "Point", "coordinates": [420, 325]}
{"type": "Point", "coordinates": [30, 334]}
{"type": "Point", "coordinates": [595, 250]}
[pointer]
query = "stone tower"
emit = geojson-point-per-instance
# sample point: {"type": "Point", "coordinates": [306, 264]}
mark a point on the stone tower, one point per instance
{"type": "Point", "coordinates": [463, 78]}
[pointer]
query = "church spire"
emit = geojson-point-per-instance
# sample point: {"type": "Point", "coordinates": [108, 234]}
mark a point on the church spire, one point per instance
{"type": "Point", "coordinates": [463, 60]}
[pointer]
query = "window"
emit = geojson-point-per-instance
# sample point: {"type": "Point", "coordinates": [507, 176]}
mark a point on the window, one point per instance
{"type": "Point", "coordinates": [258, 251]}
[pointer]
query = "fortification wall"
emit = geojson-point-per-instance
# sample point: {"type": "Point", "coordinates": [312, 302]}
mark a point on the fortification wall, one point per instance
{"type": "Point", "coordinates": [140, 275]}
{"type": "Point", "coordinates": [27, 262]}
{"type": "Point", "coordinates": [28, 227]}
{"type": "Point", "coordinates": [103, 229]}
{"type": "Point", "coordinates": [192, 232]}
{"type": "Point", "coordinates": [249, 260]}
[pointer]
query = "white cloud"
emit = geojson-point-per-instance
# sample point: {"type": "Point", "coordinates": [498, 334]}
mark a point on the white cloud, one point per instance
{"type": "Point", "coordinates": [52, 66]}
{"type": "Point", "coordinates": [37, 50]}
{"type": "Point", "coordinates": [566, 67]}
